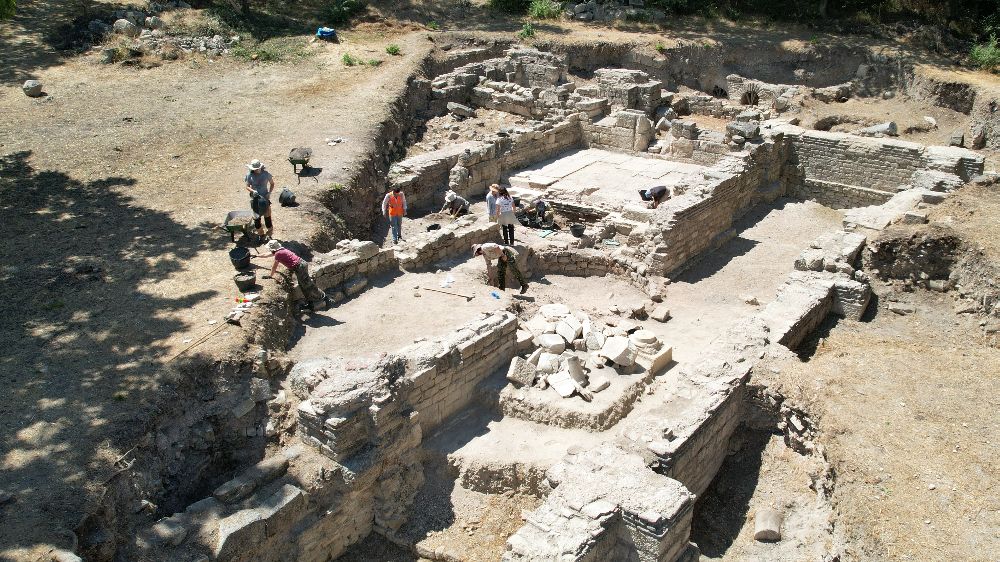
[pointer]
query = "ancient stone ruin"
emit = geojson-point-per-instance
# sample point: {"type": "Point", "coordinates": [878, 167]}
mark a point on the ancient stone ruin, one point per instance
{"type": "Point", "coordinates": [611, 401]}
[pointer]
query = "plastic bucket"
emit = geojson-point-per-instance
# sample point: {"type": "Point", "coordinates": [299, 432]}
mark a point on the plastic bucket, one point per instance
{"type": "Point", "coordinates": [240, 257]}
{"type": "Point", "coordinates": [245, 281]}
{"type": "Point", "coordinates": [577, 230]}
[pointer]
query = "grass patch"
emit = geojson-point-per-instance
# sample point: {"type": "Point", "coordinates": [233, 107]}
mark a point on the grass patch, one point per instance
{"type": "Point", "coordinates": [527, 31]}
{"type": "Point", "coordinates": [349, 60]}
{"type": "Point", "coordinates": [393, 50]}
{"type": "Point", "coordinates": [661, 48]}
{"type": "Point", "coordinates": [986, 55]}
{"type": "Point", "coordinates": [433, 25]}
{"type": "Point", "coordinates": [340, 12]}
{"type": "Point", "coordinates": [544, 9]}
{"type": "Point", "coordinates": [374, 62]}
{"type": "Point", "coordinates": [272, 50]}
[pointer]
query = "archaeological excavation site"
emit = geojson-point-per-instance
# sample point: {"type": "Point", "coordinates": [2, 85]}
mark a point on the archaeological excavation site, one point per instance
{"type": "Point", "coordinates": [697, 224]}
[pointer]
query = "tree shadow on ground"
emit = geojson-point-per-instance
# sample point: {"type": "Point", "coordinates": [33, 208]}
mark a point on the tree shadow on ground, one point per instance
{"type": "Point", "coordinates": [83, 339]}
{"type": "Point", "coordinates": [722, 510]}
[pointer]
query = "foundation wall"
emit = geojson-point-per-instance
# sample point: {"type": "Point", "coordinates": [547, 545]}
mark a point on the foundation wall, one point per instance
{"type": "Point", "coordinates": [703, 220]}
{"type": "Point", "coordinates": [456, 239]}
{"type": "Point", "coordinates": [444, 375]}
{"type": "Point", "coordinates": [847, 171]}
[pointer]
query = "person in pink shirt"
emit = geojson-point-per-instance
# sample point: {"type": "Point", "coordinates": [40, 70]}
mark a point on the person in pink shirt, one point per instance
{"type": "Point", "coordinates": [300, 267]}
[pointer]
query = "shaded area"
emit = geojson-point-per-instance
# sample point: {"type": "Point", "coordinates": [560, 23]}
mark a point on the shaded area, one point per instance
{"type": "Point", "coordinates": [722, 510]}
{"type": "Point", "coordinates": [80, 356]}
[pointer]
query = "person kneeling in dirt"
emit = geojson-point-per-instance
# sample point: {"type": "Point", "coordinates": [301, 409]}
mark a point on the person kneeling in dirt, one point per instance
{"type": "Point", "coordinates": [455, 204]}
{"type": "Point", "coordinates": [260, 184]}
{"type": "Point", "coordinates": [288, 258]}
{"type": "Point", "coordinates": [505, 260]}
{"type": "Point", "coordinates": [655, 195]}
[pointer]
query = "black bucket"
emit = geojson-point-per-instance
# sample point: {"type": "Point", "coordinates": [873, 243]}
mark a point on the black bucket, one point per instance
{"type": "Point", "coordinates": [434, 226]}
{"type": "Point", "coordinates": [577, 229]}
{"type": "Point", "coordinates": [245, 280]}
{"type": "Point", "coordinates": [240, 257]}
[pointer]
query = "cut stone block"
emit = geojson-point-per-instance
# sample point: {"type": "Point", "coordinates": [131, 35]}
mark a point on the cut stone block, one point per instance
{"type": "Point", "coordinates": [554, 311]}
{"type": "Point", "coordinates": [598, 383]}
{"type": "Point", "coordinates": [575, 369]}
{"type": "Point", "coordinates": [595, 341]}
{"type": "Point", "coordinates": [355, 285]}
{"type": "Point", "coordinates": [533, 358]}
{"type": "Point", "coordinates": [619, 350]}
{"type": "Point", "coordinates": [552, 343]}
{"type": "Point", "coordinates": [524, 338]}
{"type": "Point", "coordinates": [660, 313]}
{"type": "Point", "coordinates": [549, 363]}
{"type": "Point", "coordinates": [562, 383]}
{"type": "Point", "coordinates": [569, 328]}
{"type": "Point", "coordinates": [521, 373]}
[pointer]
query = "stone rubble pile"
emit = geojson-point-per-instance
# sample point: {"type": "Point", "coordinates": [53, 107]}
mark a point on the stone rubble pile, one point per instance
{"type": "Point", "coordinates": [571, 352]}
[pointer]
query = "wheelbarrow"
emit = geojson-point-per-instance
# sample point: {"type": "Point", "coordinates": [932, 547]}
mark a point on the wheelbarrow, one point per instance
{"type": "Point", "coordinates": [241, 222]}
{"type": "Point", "coordinates": [299, 157]}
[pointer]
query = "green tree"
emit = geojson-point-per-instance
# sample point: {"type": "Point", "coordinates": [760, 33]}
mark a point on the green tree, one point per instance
{"type": "Point", "coordinates": [7, 9]}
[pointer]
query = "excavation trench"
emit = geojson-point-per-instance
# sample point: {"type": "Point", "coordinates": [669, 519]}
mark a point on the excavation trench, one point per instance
{"type": "Point", "coordinates": [397, 413]}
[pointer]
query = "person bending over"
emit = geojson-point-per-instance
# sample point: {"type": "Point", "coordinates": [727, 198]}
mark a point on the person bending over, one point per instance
{"type": "Point", "coordinates": [505, 260]}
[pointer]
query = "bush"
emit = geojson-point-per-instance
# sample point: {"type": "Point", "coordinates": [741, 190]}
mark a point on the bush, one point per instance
{"type": "Point", "coordinates": [348, 60]}
{"type": "Point", "coordinates": [661, 48]}
{"type": "Point", "coordinates": [433, 25]}
{"type": "Point", "coordinates": [986, 55]}
{"type": "Point", "coordinates": [339, 12]}
{"type": "Point", "coordinates": [544, 9]}
{"type": "Point", "coordinates": [7, 9]}
{"type": "Point", "coordinates": [374, 62]}
{"type": "Point", "coordinates": [510, 6]}
{"type": "Point", "coordinates": [393, 50]}
{"type": "Point", "coordinates": [527, 30]}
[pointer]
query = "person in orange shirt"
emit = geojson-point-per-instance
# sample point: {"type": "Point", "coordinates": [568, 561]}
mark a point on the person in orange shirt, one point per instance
{"type": "Point", "coordinates": [394, 207]}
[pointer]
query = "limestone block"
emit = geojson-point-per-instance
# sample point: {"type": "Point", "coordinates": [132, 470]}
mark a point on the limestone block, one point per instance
{"type": "Point", "coordinates": [562, 383]}
{"type": "Point", "coordinates": [598, 383]}
{"type": "Point", "coordinates": [535, 355]}
{"type": "Point", "coordinates": [552, 343]}
{"type": "Point", "coordinates": [554, 311]}
{"type": "Point", "coordinates": [619, 350]}
{"type": "Point", "coordinates": [660, 313]}
{"type": "Point", "coordinates": [355, 285]}
{"type": "Point", "coordinates": [570, 328]}
{"type": "Point", "coordinates": [521, 373]}
{"type": "Point", "coordinates": [548, 363]}
{"type": "Point", "coordinates": [238, 533]}
{"type": "Point", "coordinates": [260, 390]}
{"type": "Point", "coordinates": [575, 369]}
{"type": "Point", "coordinates": [244, 484]}
{"type": "Point", "coordinates": [524, 341]}
{"type": "Point", "coordinates": [767, 525]}
{"type": "Point", "coordinates": [282, 509]}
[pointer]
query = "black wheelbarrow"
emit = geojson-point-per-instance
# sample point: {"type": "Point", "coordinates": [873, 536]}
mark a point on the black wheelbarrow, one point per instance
{"type": "Point", "coordinates": [299, 157]}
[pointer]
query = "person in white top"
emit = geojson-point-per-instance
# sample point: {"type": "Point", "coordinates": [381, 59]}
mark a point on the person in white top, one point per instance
{"type": "Point", "coordinates": [505, 215]}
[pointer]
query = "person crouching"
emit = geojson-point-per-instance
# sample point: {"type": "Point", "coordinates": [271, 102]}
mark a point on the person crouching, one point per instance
{"type": "Point", "coordinates": [289, 259]}
{"type": "Point", "coordinates": [505, 260]}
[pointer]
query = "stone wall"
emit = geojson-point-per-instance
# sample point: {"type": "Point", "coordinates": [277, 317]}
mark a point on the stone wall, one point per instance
{"type": "Point", "coordinates": [626, 130]}
{"type": "Point", "coordinates": [423, 178]}
{"type": "Point", "coordinates": [702, 218]}
{"type": "Point", "coordinates": [345, 272]}
{"type": "Point", "coordinates": [456, 239]}
{"type": "Point", "coordinates": [847, 171]}
{"type": "Point", "coordinates": [443, 374]}
{"type": "Point", "coordinates": [606, 505]}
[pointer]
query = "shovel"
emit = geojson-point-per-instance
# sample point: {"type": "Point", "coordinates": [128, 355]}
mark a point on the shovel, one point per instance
{"type": "Point", "coordinates": [466, 297]}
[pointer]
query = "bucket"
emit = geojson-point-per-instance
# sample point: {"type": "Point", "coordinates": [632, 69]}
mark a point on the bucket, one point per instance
{"type": "Point", "coordinates": [240, 257]}
{"type": "Point", "coordinates": [245, 280]}
{"type": "Point", "coordinates": [434, 226]}
{"type": "Point", "coordinates": [577, 229]}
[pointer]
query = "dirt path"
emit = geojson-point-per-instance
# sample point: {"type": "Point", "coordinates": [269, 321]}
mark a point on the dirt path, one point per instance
{"type": "Point", "coordinates": [114, 185]}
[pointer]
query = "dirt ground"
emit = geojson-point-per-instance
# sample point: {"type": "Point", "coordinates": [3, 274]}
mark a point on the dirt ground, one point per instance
{"type": "Point", "coordinates": [112, 188]}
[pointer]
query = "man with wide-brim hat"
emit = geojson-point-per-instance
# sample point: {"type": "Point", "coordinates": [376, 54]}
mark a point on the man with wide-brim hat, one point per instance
{"type": "Point", "coordinates": [260, 184]}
